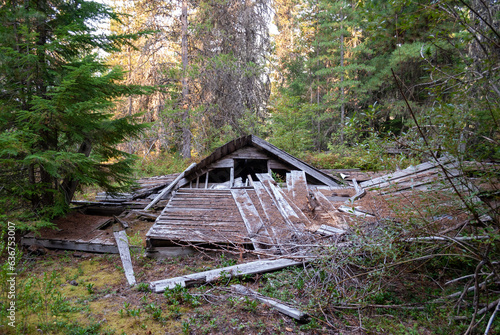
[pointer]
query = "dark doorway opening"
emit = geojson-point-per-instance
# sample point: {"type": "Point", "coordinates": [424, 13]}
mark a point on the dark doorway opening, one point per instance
{"type": "Point", "coordinates": [245, 167]}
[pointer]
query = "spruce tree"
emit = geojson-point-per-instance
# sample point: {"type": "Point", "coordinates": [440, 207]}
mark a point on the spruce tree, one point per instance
{"type": "Point", "coordinates": [56, 131]}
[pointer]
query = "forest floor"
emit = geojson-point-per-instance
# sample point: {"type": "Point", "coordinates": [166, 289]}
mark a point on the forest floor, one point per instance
{"type": "Point", "coordinates": [69, 292]}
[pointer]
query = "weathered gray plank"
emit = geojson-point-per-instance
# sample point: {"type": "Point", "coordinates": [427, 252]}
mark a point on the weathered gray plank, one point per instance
{"type": "Point", "coordinates": [239, 270]}
{"type": "Point", "coordinates": [169, 188]}
{"type": "Point", "coordinates": [122, 243]}
{"type": "Point", "coordinates": [87, 246]}
{"type": "Point", "coordinates": [282, 308]}
{"type": "Point", "coordinates": [121, 221]}
{"type": "Point", "coordinates": [257, 231]}
{"type": "Point", "coordinates": [329, 230]}
{"type": "Point", "coordinates": [299, 189]}
{"type": "Point", "coordinates": [404, 173]}
{"type": "Point", "coordinates": [354, 210]}
{"type": "Point", "coordinates": [360, 192]}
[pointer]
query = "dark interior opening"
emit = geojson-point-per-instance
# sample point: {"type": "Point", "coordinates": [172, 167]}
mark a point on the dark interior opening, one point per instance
{"type": "Point", "coordinates": [220, 175]}
{"type": "Point", "coordinates": [245, 167]}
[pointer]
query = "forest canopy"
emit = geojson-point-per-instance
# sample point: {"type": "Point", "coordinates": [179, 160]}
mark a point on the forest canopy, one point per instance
{"type": "Point", "coordinates": [85, 86]}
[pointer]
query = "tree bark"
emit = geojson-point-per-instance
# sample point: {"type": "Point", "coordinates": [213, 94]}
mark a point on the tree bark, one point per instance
{"type": "Point", "coordinates": [69, 185]}
{"type": "Point", "coordinates": [186, 133]}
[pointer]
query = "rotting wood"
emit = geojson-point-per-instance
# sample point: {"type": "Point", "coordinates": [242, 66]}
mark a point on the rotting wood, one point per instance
{"type": "Point", "coordinates": [122, 243]}
{"type": "Point", "coordinates": [289, 184]}
{"type": "Point", "coordinates": [168, 252]}
{"type": "Point", "coordinates": [303, 219]}
{"type": "Point", "coordinates": [145, 214]}
{"type": "Point", "coordinates": [354, 210]}
{"type": "Point", "coordinates": [169, 188]}
{"type": "Point", "coordinates": [326, 205]}
{"type": "Point", "coordinates": [360, 192]}
{"type": "Point", "coordinates": [329, 230]}
{"type": "Point", "coordinates": [299, 189]}
{"type": "Point", "coordinates": [121, 221]}
{"type": "Point", "coordinates": [282, 308]}
{"type": "Point", "coordinates": [257, 231]}
{"type": "Point", "coordinates": [274, 218]}
{"type": "Point", "coordinates": [87, 246]}
{"type": "Point", "coordinates": [239, 270]}
{"type": "Point", "coordinates": [281, 204]}
{"type": "Point", "coordinates": [392, 177]}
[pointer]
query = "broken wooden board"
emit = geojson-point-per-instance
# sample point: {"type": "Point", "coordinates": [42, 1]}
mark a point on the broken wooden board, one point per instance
{"type": "Point", "coordinates": [95, 245]}
{"type": "Point", "coordinates": [169, 252]}
{"type": "Point", "coordinates": [360, 192]}
{"type": "Point", "coordinates": [299, 189]}
{"type": "Point", "coordinates": [257, 231]}
{"type": "Point", "coordinates": [282, 308]}
{"type": "Point", "coordinates": [354, 210]}
{"type": "Point", "coordinates": [329, 230]}
{"type": "Point", "coordinates": [277, 226]}
{"type": "Point", "coordinates": [284, 207]}
{"type": "Point", "coordinates": [169, 188]}
{"type": "Point", "coordinates": [261, 266]}
{"type": "Point", "coordinates": [122, 243]}
{"type": "Point", "coordinates": [327, 207]}
{"type": "Point", "coordinates": [398, 176]}
{"type": "Point", "coordinates": [121, 221]}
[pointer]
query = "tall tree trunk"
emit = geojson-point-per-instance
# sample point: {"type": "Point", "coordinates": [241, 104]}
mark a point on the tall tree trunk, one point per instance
{"type": "Point", "coordinates": [69, 185]}
{"type": "Point", "coordinates": [342, 91]}
{"type": "Point", "coordinates": [186, 133]}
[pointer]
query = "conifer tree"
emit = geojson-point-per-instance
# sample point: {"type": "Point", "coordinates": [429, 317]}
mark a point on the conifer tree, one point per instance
{"type": "Point", "coordinates": [56, 131]}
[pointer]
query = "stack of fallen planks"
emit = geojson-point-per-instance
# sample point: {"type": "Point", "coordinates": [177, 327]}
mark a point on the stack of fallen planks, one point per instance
{"type": "Point", "coordinates": [422, 177]}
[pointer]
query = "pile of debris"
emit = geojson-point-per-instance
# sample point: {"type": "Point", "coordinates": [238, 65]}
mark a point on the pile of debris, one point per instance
{"type": "Point", "coordinates": [252, 197]}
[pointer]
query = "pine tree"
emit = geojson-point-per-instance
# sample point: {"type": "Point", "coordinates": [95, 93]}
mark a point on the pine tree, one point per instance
{"type": "Point", "coordinates": [56, 130]}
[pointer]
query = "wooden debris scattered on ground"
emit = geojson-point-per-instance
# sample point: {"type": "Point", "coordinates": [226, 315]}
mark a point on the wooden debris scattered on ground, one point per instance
{"type": "Point", "coordinates": [287, 310]}
{"type": "Point", "coordinates": [261, 266]}
{"type": "Point", "coordinates": [122, 243]}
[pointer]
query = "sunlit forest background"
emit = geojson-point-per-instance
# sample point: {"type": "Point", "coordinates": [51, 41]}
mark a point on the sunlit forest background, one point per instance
{"type": "Point", "coordinates": [100, 93]}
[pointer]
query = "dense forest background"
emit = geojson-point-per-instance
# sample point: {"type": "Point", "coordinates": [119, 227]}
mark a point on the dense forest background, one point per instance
{"type": "Point", "coordinates": [85, 87]}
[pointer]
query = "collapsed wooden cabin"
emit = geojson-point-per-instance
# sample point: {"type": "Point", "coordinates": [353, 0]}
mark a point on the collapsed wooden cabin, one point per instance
{"type": "Point", "coordinates": [234, 197]}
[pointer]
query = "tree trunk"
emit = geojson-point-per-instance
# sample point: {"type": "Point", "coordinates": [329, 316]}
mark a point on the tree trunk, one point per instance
{"type": "Point", "coordinates": [342, 91]}
{"type": "Point", "coordinates": [186, 133]}
{"type": "Point", "coordinates": [69, 185]}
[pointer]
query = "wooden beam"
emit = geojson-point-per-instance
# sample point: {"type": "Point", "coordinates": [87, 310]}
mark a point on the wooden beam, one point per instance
{"type": "Point", "coordinates": [122, 222]}
{"type": "Point", "coordinates": [122, 243]}
{"type": "Point", "coordinates": [239, 270]}
{"type": "Point", "coordinates": [360, 192]}
{"type": "Point", "coordinates": [257, 231]}
{"type": "Point", "coordinates": [206, 179]}
{"type": "Point", "coordinates": [231, 177]}
{"type": "Point", "coordinates": [326, 205]}
{"type": "Point", "coordinates": [329, 230]}
{"type": "Point", "coordinates": [87, 246]}
{"type": "Point", "coordinates": [299, 189]}
{"type": "Point", "coordinates": [169, 188]}
{"type": "Point", "coordinates": [282, 308]}
{"type": "Point", "coordinates": [392, 177]}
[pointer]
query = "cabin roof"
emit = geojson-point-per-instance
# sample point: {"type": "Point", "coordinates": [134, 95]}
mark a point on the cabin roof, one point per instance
{"type": "Point", "coordinates": [267, 148]}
